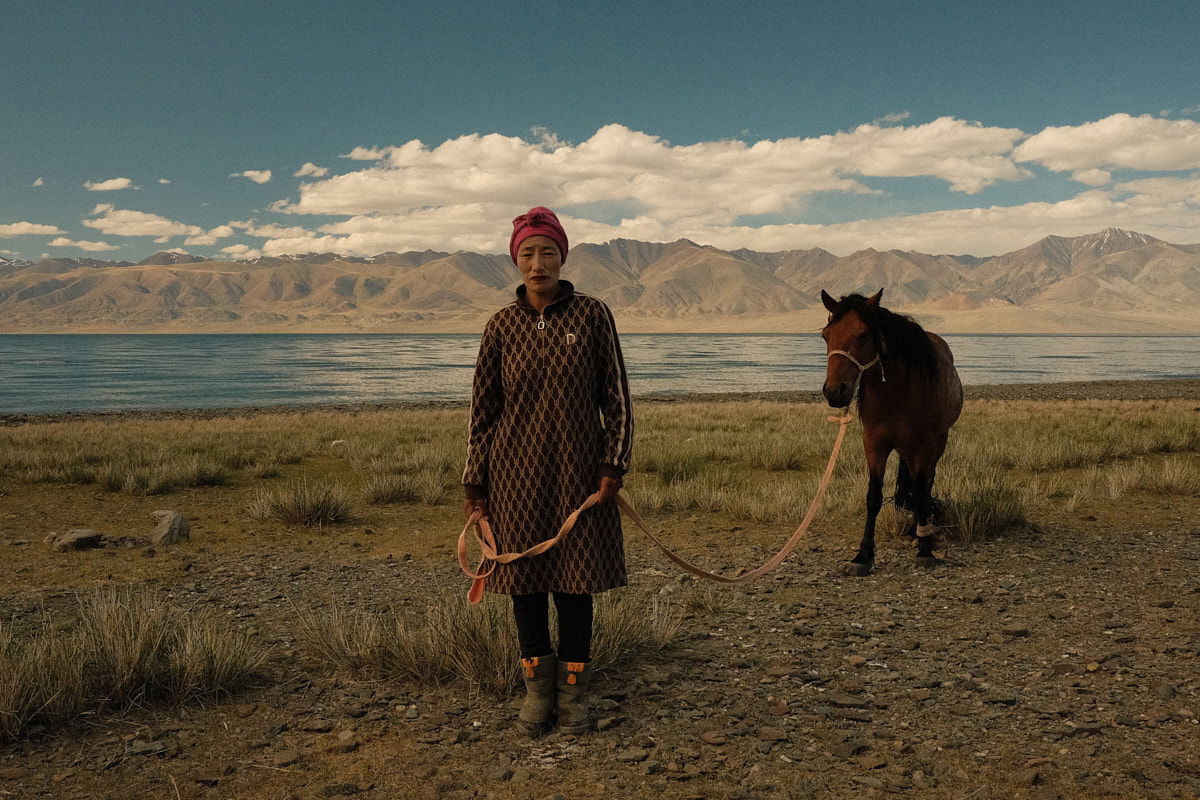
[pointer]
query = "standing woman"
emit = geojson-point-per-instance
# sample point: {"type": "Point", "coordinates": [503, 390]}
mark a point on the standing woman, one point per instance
{"type": "Point", "coordinates": [551, 424]}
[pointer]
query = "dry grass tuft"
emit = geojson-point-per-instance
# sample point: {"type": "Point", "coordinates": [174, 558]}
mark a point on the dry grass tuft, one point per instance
{"type": "Point", "coordinates": [383, 489]}
{"type": "Point", "coordinates": [126, 647]}
{"type": "Point", "coordinates": [303, 502]}
{"type": "Point", "coordinates": [474, 644]}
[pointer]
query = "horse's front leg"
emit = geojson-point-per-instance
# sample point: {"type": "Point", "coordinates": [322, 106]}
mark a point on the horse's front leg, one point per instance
{"type": "Point", "coordinates": [864, 562]}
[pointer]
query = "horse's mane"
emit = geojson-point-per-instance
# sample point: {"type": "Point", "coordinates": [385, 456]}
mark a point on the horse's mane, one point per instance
{"type": "Point", "coordinates": [895, 335]}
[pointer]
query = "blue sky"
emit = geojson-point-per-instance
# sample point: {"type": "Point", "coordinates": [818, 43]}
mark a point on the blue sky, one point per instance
{"type": "Point", "coordinates": [131, 127]}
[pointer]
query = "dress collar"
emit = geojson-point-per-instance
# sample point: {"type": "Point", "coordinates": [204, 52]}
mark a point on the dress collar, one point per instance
{"type": "Point", "coordinates": [566, 290]}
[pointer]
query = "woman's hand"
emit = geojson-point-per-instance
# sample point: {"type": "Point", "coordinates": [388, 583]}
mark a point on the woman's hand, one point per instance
{"type": "Point", "coordinates": [471, 506]}
{"type": "Point", "coordinates": [608, 490]}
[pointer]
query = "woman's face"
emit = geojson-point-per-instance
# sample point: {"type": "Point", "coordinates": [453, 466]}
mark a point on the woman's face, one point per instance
{"type": "Point", "coordinates": [540, 262]}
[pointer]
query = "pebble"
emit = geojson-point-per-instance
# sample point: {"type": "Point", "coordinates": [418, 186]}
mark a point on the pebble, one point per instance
{"type": "Point", "coordinates": [855, 661]}
{"type": "Point", "coordinates": [713, 737]}
{"type": "Point", "coordinates": [1027, 777]}
{"type": "Point", "coordinates": [344, 745]}
{"type": "Point", "coordinates": [768, 734]}
{"type": "Point", "coordinates": [872, 762]}
{"type": "Point", "coordinates": [317, 726]}
{"type": "Point", "coordinates": [845, 700]}
{"type": "Point", "coordinates": [285, 758]}
{"type": "Point", "coordinates": [632, 755]}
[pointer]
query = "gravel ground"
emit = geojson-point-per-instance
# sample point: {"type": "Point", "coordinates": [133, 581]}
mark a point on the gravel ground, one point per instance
{"type": "Point", "coordinates": [1024, 667]}
{"type": "Point", "coordinates": [1058, 661]}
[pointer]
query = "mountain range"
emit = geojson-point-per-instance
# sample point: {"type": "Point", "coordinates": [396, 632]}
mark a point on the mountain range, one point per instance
{"type": "Point", "coordinates": [1110, 281]}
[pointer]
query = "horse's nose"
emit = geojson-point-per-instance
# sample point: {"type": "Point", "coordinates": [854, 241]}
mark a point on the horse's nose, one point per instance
{"type": "Point", "coordinates": [837, 394]}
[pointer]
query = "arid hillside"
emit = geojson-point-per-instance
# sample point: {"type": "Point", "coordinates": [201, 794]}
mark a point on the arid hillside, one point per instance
{"type": "Point", "coordinates": [1112, 281]}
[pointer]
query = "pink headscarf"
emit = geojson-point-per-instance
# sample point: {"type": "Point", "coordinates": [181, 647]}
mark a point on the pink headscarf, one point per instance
{"type": "Point", "coordinates": [537, 221]}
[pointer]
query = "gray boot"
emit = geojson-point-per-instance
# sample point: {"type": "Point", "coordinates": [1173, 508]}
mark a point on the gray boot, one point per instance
{"type": "Point", "coordinates": [574, 717]}
{"type": "Point", "coordinates": [539, 674]}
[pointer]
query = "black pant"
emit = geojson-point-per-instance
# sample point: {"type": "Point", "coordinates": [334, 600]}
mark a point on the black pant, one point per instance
{"type": "Point", "coordinates": [532, 612]}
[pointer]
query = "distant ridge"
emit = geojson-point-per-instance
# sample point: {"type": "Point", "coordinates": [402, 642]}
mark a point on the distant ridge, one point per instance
{"type": "Point", "coordinates": [165, 257]}
{"type": "Point", "coordinates": [1112, 280]}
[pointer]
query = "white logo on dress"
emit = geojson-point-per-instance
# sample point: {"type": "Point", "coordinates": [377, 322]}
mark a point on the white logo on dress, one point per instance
{"type": "Point", "coordinates": [570, 338]}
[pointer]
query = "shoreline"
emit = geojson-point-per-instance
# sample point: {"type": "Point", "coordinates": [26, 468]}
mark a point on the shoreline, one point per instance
{"type": "Point", "coordinates": [1154, 389]}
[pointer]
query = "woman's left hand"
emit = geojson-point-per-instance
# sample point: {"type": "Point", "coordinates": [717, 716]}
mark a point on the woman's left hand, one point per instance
{"type": "Point", "coordinates": [608, 490]}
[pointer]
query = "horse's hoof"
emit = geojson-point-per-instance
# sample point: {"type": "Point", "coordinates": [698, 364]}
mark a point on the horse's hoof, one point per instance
{"type": "Point", "coordinates": [856, 570]}
{"type": "Point", "coordinates": [928, 562]}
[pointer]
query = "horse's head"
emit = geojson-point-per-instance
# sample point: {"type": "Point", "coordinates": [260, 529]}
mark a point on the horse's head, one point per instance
{"type": "Point", "coordinates": [850, 347]}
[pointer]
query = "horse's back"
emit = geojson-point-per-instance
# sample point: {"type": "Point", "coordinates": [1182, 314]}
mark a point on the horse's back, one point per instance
{"type": "Point", "coordinates": [948, 393]}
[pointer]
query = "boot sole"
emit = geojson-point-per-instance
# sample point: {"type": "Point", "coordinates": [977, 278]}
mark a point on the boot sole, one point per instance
{"type": "Point", "coordinates": [534, 730]}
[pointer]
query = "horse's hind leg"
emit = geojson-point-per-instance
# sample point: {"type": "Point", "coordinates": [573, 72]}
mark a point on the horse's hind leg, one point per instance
{"type": "Point", "coordinates": [923, 494]}
{"type": "Point", "coordinates": [922, 489]}
{"type": "Point", "coordinates": [904, 487]}
{"type": "Point", "coordinates": [864, 561]}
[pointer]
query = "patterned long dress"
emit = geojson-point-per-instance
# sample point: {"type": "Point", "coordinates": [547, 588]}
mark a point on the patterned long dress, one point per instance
{"type": "Point", "coordinates": [550, 415]}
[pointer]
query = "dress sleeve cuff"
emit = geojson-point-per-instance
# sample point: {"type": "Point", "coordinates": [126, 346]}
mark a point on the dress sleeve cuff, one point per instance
{"type": "Point", "coordinates": [474, 491]}
{"type": "Point", "coordinates": [609, 471]}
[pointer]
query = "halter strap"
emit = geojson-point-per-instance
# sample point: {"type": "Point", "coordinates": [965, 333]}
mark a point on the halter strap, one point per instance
{"type": "Point", "coordinates": [861, 367]}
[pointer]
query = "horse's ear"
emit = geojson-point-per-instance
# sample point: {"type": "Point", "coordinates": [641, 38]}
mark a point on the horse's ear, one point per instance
{"type": "Point", "coordinates": [873, 300]}
{"type": "Point", "coordinates": [829, 302]}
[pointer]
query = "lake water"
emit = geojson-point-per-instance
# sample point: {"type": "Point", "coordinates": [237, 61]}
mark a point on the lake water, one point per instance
{"type": "Point", "coordinates": [52, 373]}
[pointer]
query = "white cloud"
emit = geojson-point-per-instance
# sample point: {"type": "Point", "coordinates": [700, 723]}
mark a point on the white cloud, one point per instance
{"type": "Point", "coordinates": [120, 222]}
{"type": "Point", "coordinates": [241, 251]}
{"type": "Point", "coordinates": [1121, 140]}
{"type": "Point", "coordinates": [1092, 177]}
{"type": "Point", "coordinates": [163, 180]}
{"type": "Point", "coordinates": [38, 182]}
{"type": "Point", "coordinates": [310, 170]}
{"type": "Point", "coordinates": [1159, 208]}
{"type": "Point", "coordinates": [980, 231]}
{"type": "Point", "coordinates": [28, 229]}
{"type": "Point", "coordinates": [256, 175]}
{"type": "Point", "coordinates": [210, 237]}
{"type": "Point", "coordinates": [94, 247]}
{"type": "Point", "coordinates": [895, 116]}
{"type": "Point", "coordinates": [110, 185]}
{"type": "Point", "coordinates": [713, 181]}
{"type": "Point", "coordinates": [630, 184]}
{"type": "Point", "coordinates": [445, 197]}
{"type": "Point", "coordinates": [368, 153]}
{"type": "Point", "coordinates": [1162, 191]}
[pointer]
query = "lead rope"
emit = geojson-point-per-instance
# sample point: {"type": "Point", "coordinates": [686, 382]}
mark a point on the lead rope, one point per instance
{"type": "Point", "coordinates": [487, 540]}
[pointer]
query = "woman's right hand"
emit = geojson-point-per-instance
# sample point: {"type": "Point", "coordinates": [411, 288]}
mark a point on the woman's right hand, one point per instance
{"type": "Point", "coordinates": [471, 506]}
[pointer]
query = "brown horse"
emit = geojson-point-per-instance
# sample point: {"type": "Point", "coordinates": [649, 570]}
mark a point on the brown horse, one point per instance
{"type": "Point", "coordinates": [909, 395]}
